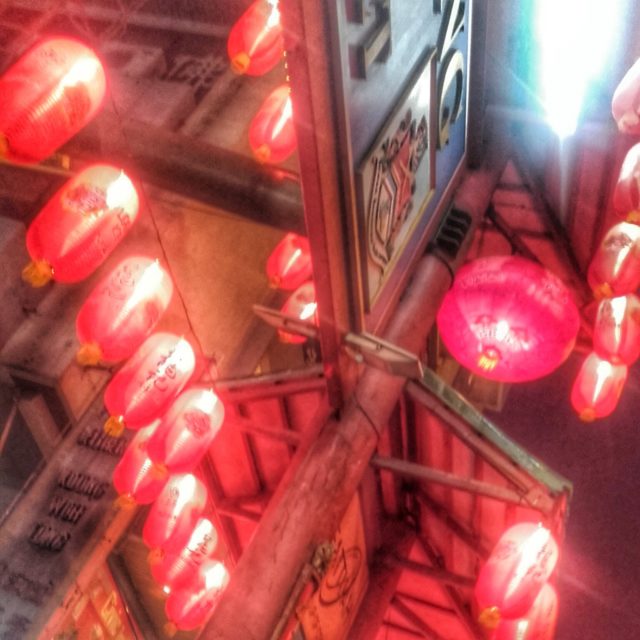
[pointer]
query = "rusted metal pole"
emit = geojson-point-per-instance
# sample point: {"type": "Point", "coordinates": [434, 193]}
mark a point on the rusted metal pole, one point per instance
{"type": "Point", "coordinates": [321, 480]}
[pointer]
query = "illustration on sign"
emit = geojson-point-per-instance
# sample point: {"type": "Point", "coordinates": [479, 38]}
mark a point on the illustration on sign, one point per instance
{"type": "Point", "coordinates": [397, 178]}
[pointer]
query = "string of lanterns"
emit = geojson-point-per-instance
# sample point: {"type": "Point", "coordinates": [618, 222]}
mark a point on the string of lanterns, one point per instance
{"type": "Point", "coordinates": [614, 277]}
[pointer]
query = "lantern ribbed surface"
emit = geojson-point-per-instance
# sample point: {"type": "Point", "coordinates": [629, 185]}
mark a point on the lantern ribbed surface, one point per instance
{"type": "Point", "coordinates": [508, 319]}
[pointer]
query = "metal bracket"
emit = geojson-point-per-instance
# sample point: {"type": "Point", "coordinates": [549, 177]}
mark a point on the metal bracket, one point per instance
{"type": "Point", "coordinates": [285, 323]}
{"type": "Point", "coordinates": [378, 353]}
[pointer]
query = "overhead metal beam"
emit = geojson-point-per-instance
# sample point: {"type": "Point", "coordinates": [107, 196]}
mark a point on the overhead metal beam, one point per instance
{"type": "Point", "coordinates": [433, 573]}
{"type": "Point", "coordinates": [436, 476]}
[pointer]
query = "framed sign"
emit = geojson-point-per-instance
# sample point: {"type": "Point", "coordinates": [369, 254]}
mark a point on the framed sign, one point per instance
{"type": "Point", "coordinates": [396, 180]}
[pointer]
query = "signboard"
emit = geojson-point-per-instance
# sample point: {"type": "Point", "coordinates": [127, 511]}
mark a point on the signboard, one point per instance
{"type": "Point", "coordinates": [52, 530]}
{"type": "Point", "coordinates": [404, 67]}
{"type": "Point", "coordinates": [329, 612]}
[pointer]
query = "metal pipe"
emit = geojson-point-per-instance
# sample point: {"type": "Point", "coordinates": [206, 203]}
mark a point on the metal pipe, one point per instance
{"type": "Point", "coordinates": [428, 474]}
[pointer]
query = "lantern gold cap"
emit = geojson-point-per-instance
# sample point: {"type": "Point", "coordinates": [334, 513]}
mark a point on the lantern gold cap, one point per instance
{"type": "Point", "coordinates": [240, 62]}
{"type": "Point", "coordinates": [633, 216]}
{"type": "Point", "coordinates": [114, 426]}
{"type": "Point", "coordinates": [489, 618]}
{"type": "Point", "coordinates": [125, 502]}
{"type": "Point", "coordinates": [262, 153]}
{"type": "Point", "coordinates": [159, 470]}
{"type": "Point", "coordinates": [170, 629]}
{"type": "Point", "coordinates": [603, 291]}
{"type": "Point", "coordinates": [588, 414]}
{"type": "Point", "coordinates": [155, 556]}
{"type": "Point", "coordinates": [38, 272]}
{"type": "Point", "coordinates": [89, 354]}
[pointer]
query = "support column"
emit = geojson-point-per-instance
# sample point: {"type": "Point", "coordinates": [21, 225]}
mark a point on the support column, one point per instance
{"type": "Point", "coordinates": [320, 482]}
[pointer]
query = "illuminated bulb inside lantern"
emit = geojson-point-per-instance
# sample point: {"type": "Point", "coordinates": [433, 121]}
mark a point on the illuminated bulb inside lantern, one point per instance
{"type": "Point", "coordinates": [120, 191]}
{"type": "Point", "coordinates": [308, 310]}
{"type": "Point", "coordinates": [531, 550]}
{"type": "Point", "coordinates": [521, 630]}
{"type": "Point", "coordinates": [604, 371]}
{"type": "Point", "coordinates": [83, 70]}
{"type": "Point", "coordinates": [274, 17]}
{"type": "Point", "coordinates": [166, 589]}
{"type": "Point", "coordinates": [285, 116]}
{"type": "Point", "coordinates": [206, 401]}
{"type": "Point", "coordinates": [150, 281]}
{"type": "Point", "coordinates": [489, 358]}
{"type": "Point", "coordinates": [186, 492]}
{"type": "Point", "coordinates": [216, 576]}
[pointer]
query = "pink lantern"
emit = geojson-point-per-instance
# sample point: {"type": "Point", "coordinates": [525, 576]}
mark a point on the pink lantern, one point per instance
{"type": "Point", "coordinates": [615, 267]}
{"type": "Point", "coordinates": [597, 388]}
{"type": "Point", "coordinates": [518, 567]}
{"type": "Point", "coordinates": [188, 608]}
{"type": "Point", "coordinates": [616, 333]}
{"type": "Point", "coordinates": [538, 624]}
{"type": "Point", "coordinates": [47, 96]}
{"type": "Point", "coordinates": [122, 311]}
{"type": "Point", "coordinates": [135, 477]}
{"type": "Point", "coordinates": [272, 136]}
{"type": "Point", "coordinates": [301, 305]}
{"type": "Point", "coordinates": [289, 264]}
{"type": "Point", "coordinates": [625, 104]}
{"type": "Point", "coordinates": [175, 513]}
{"type": "Point", "coordinates": [255, 41]}
{"type": "Point", "coordinates": [80, 226]}
{"type": "Point", "coordinates": [626, 194]}
{"type": "Point", "coordinates": [175, 570]}
{"type": "Point", "coordinates": [186, 431]}
{"type": "Point", "coordinates": [508, 319]}
{"type": "Point", "coordinates": [146, 385]}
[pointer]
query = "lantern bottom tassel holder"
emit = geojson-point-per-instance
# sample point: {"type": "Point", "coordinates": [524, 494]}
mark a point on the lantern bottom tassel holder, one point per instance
{"type": "Point", "coordinates": [489, 618]}
{"type": "Point", "coordinates": [114, 426]}
{"type": "Point", "coordinates": [89, 355]}
{"type": "Point", "coordinates": [37, 273]}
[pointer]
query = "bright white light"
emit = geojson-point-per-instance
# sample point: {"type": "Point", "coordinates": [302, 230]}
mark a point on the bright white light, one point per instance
{"type": "Point", "coordinates": [575, 38]}
{"type": "Point", "coordinates": [216, 576]}
{"type": "Point", "coordinates": [121, 193]}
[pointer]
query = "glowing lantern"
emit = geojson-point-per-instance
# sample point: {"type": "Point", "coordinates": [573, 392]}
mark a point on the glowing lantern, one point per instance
{"type": "Point", "coordinates": [80, 226]}
{"type": "Point", "coordinates": [616, 333]}
{"type": "Point", "coordinates": [271, 133]}
{"type": "Point", "coordinates": [122, 311]}
{"type": "Point", "coordinates": [135, 477]}
{"type": "Point", "coordinates": [508, 319]}
{"type": "Point", "coordinates": [178, 569]}
{"type": "Point", "coordinates": [625, 104]}
{"type": "Point", "coordinates": [146, 385]}
{"type": "Point", "coordinates": [597, 388]}
{"type": "Point", "coordinates": [255, 42]}
{"type": "Point", "coordinates": [615, 267]}
{"type": "Point", "coordinates": [518, 567]}
{"type": "Point", "coordinates": [187, 430]}
{"type": "Point", "coordinates": [47, 96]}
{"type": "Point", "coordinates": [188, 608]}
{"type": "Point", "coordinates": [289, 264]}
{"type": "Point", "coordinates": [538, 624]}
{"type": "Point", "coordinates": [175, 513]}
{"type": "Point", "coordinates": [626, 194]}
{"type": "Point", "coordinates": [301, 305]}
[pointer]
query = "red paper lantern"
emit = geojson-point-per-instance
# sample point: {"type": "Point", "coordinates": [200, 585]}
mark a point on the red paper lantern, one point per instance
{"type": "Point", "coordinates": [122, 310]}
{"type": "Point", "coordinates": [272, 136]}
{"type": "Point", "coordinates": [301, 305]}
{"type": "Point", "coordinates": [625, 104]}
{"type": "Point", "coordinates": [180, 569]}
{"type": "Point", "coordinates": [80, 226]}
{"type": "Point", "coordinates": [255, 42]}
{"type": "Point", "coordinates": [508, 319]}
{"type": "Point", "coordinates": [616, 333]}
{"type": "Point", "coordinates": [626, 194]}
{"type": "Point", "coordinates": [289, 264]}
{"type": "Point", "coordinates": [187, 609]}
{"type": "Point", "coordinates": [518, 567]}
{"type": "Point", "coordinates": [175, 513]}
{"type": "Point", "coordinates": [187, 430]}
{"type": "Point", "coordinates": [146, 385]}
{"type": "Point", "coordinates": [538, 624]}
{"type": "Point", "coordinates": [615, 267]}
{"type": "Point", "coordinates": [47, 96]}
{"type": "Point", "coordinates": [135, 477]}
{"type": "Point", "coordinates": [597, 388]}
